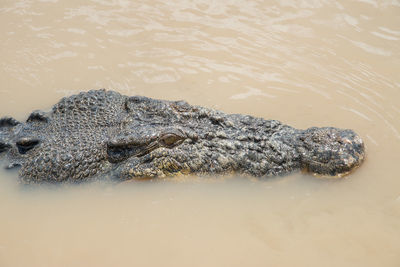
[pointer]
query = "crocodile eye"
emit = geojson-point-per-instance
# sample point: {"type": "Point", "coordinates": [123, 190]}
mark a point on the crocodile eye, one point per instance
{"type": "Point", "coordinates": [26, 144]}
{"type": "Point", "coordinates": [170, 140]}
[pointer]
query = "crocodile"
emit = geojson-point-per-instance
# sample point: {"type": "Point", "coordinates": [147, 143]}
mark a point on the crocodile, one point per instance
{"type": "Point", "coordinates": [104, 134]}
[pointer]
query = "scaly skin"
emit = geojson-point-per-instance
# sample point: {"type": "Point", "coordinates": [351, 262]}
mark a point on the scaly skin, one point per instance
{"type": "Point", "coordinates": [104, 134]}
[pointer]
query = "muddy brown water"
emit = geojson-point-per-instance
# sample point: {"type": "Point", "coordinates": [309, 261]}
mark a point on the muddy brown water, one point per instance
{"type": "Point", "coordinates": [306, 63]}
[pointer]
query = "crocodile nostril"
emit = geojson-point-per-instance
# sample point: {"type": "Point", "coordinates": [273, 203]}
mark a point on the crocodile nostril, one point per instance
{"type": "Point", "coordinates": [26, 144]}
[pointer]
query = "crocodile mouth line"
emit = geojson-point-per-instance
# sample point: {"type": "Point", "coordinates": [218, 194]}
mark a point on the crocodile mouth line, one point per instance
{"type": "Point", "coordinates": [120, 152]}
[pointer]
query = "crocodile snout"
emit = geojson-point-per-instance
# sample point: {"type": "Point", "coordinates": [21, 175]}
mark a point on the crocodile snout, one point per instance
{"type": "Point", "coordinates": [331, 151]}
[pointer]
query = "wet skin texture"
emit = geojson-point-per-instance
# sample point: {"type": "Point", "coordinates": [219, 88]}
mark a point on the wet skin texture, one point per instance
{"type": "Point", "coordinates": [104, 134]}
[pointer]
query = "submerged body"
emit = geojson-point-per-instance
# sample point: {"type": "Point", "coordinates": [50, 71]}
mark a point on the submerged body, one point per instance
{"type": "Point", "coordinates": [105, 134]}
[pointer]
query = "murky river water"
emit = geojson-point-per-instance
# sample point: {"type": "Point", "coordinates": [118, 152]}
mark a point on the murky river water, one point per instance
{"type": "Point", "coordinates": [306, 63]}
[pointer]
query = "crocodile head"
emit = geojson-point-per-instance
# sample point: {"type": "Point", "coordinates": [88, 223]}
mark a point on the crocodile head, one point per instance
{"type": "Point", "coordinates": [163, 138]}
{"type": "Point", "coordinates": [104, 134]}
{"type": "Point", "coordinates": [198, 140]}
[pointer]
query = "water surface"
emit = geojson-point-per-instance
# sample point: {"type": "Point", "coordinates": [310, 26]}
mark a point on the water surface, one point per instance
{"type": "Point", "coordinates": [306, 63]}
